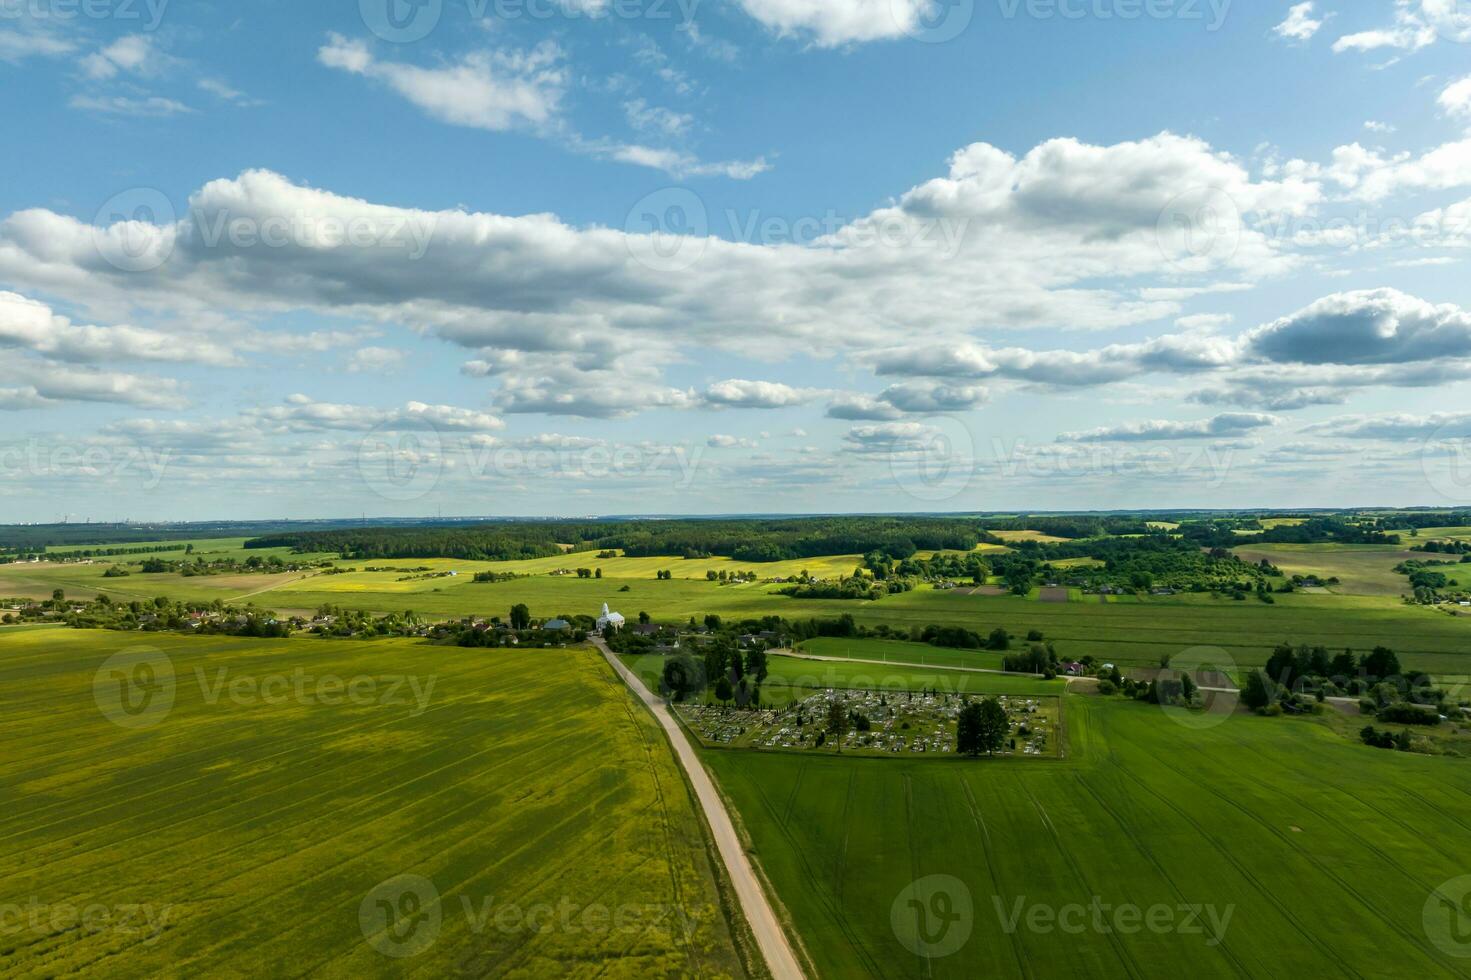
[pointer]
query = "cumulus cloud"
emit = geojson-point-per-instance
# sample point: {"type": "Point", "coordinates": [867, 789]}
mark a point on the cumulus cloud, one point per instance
{"type": "Point", "coordinates": [831, 23]}
{"type": "Point", "coordinates": [854, 407]}
{"type": "Point", "coordinates": [301, 413]}
{"type": "Point", "coordinates": [50, 384]}
{"type": "Point", "coordinates": [1225, 425]}
{"type": "Point", "coordinates": [1376, 326]}
{"type": "Point", "coordinates": [1456, 98]}
{"type": "Point", "coordinates": [755, 394]}
{"type": "Point", "coordinates": [1300, 24]}
{"type": "Point", "coordinates": [720, 441]}
{"type": "Point", "coordinates": [30, 325]}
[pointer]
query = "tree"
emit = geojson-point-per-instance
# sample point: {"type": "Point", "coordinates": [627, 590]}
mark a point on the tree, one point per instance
{"type": "Point", "coordinates": [597, 573]}
{"type": "Point", "coordinates": [1256, 694]}
{"type": "Point", "coordinates": [712, 622]}
{"type": "Point", "coordinates": [643, 618]}
{"type": "Point", "coordinates": [756, 663]}
{"type": "Point", "coordinates": [681, 677]}
{"type": "Point", "coordinates": [999, 640]}
{"type": "Point", "coordinates": [1381, 664]}
{"type": "Point", "coordinates": [722, 690]}
{"type": "Point", "coordinates": [968, 729]}
{"type": "Point", "coordinates": [837, 719]}
{"type": "Point", "coordinates": [1187, 687]}
{"type": "Point", "coordinates": [520, 617]}
{"type": "Point", "coordinates": [994, 725]}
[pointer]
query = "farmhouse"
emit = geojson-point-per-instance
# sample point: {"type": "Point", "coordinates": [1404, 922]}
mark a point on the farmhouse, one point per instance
{"type": "Point", "coordinates": [610, 620]}
{"type": "Point", "coordinates": [556, 625]}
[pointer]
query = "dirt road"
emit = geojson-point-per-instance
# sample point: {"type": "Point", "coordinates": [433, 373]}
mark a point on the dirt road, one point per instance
{"type": "Point", "coordinates": [770, 936]}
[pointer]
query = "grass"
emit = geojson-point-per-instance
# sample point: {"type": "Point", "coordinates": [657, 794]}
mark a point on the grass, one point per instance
{"type": "Point", "coordinates": [1319, 873]}
{"type": "Point", "coordinates": [256, 827]}
{"type": "Point", "coordinates": [1362, 569]}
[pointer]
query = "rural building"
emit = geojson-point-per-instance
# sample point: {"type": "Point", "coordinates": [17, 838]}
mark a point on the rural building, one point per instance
{"type": "Point", "coordinates": [610, 620]}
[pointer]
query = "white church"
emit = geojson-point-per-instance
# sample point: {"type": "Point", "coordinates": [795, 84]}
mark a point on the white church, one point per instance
{"type": "Point", "coordinates": [609, 620]}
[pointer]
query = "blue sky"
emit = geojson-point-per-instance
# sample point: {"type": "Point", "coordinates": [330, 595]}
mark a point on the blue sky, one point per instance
{"type": "Point", "coordinates": [572, 257]}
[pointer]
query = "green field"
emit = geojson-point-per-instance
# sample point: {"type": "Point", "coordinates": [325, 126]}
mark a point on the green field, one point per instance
{"type": "Point", "coordinates": [1320, 873]}
{"type": "Point", "coordinates": [246, 831]}
{"type": "Point", "coordinates": [1138, 632]}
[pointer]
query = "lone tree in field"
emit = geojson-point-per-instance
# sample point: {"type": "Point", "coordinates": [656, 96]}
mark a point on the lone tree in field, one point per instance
{"type": "Point", "coordinates": [520, 617]}
{"type": "Point", "coordinates": [982, 727]}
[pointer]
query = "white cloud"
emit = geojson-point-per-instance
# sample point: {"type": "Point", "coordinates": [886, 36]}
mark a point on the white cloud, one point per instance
{"type": "Point", "coordinates": [1300, 24]}
{"type": "Point", "coordinates": [124, 105]}
{"type": "Point", "coordinates": [1417, 24]}
{"type": "Point", "coordinates": [1221, 426]}
{"type": "Point", "coordinates": [493, 90]}
{"type": "Point", "coordinates": [755, 394]}
{"type": "Point", "coordinates": [720, 441]}
{"type": "Point", "coordinates": [375, 359]}
{"type": "Point", "coordinates": [1456, 99]}
{"type": "Point", "coordinates": [1396, 426]}
{"type": "Point", "coordinates": [133, 54]}
{"type": "Point", "coordinates": [656, 119]}
{"type": "Point", "coordinates": [31, 325]}
{"type": "Point", "coordinates": [853, 407]}
{"type": "Point", "coordinates": [832, 23]}
{"type": "Point", "coordinates": [1376, 326]}
{"type": "Point", "coordinates": [301, 413]}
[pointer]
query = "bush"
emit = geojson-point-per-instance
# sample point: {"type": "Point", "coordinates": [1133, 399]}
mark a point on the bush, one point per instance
{"type": "Point", "coordinates": [1404, 713]}
{"type": "Point", "coordinates": [1107, 687]}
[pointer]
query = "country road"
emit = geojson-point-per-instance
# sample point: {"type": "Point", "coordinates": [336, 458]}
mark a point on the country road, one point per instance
{"type": "Point", "coordinates": [770, 936]}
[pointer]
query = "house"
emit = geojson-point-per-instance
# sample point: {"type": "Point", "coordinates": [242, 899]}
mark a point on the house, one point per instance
{"type": "Point", "coordinates": [646, 629]}
{"type": "Point", "coordinates": [1075, 669]}
{"type": "Point", "coordinates": [612, 620]}
{"type": "Point", "coordinates": [556, 625]}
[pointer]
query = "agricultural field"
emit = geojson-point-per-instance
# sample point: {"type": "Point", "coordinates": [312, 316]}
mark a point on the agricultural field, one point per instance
{"type": "Point", "coordinates": [1136, 632]}
{"type": "Point", "coordinates": [1366, 569]}
{"type": "Point", "coordinates": [332, 805]}
{"type": "Point", "coordinates": [1252, 851]}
